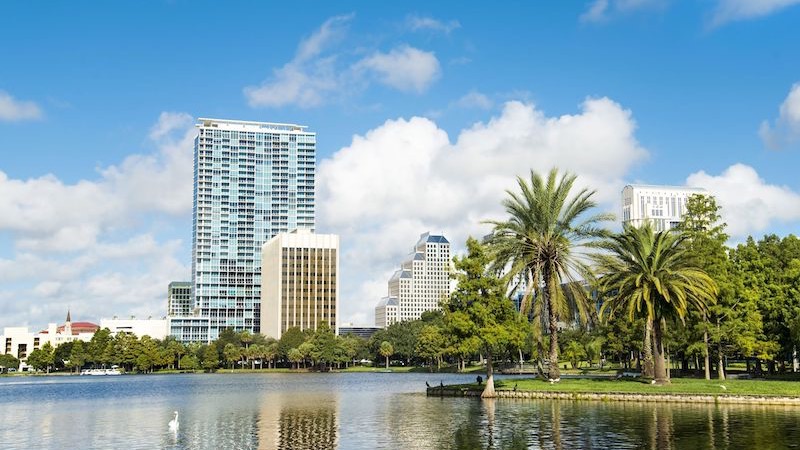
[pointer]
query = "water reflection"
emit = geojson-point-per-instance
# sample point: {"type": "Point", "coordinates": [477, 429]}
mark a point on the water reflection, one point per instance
{"type": "Point", "coordinates": [299, 422]}
{"type": "Point", "coordinates": [353, 411]}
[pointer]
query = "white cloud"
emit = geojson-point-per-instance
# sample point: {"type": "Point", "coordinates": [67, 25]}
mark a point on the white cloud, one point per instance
{"type": "Point", "coordinates": [732, 10]}
{"type": "Point", "coordinates": [417, 23]}
{"type": "Point", "coordinates": [475, 99]}
{"type": "Point", "coordinates": [70, 238]}
{"type": "Point", "coordinates": [12, 110]}
{"type": "Point", "coordinates": [404, 68]}
{"type": "Point", "coordinates": [406, 177]}
{"type": "Point", "coordinates": [748, 203]}
{"type": "Point", "coordinates": [787, 126]}
{"type": "Point", "coordinates": [321, 72]}
{"type": "Point", "coordinates": [307, 79]}
{"type": "Point", "coordinates": [602, 10]}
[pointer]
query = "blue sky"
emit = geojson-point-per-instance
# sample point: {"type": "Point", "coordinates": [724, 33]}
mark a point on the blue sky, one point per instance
{"type": "Point", "coordinates": [425, 113]}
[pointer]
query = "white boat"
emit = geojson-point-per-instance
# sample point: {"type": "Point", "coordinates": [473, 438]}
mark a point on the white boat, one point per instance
{"type": "Point", "coordinates": [113, 371]}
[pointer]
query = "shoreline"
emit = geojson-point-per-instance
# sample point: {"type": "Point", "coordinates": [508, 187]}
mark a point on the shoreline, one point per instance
{"type": "Point", "coordinates": [446, 391]}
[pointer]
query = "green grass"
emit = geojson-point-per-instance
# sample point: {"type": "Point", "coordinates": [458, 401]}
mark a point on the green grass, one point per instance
{"type": "Point", "coordinates": [632, 386]}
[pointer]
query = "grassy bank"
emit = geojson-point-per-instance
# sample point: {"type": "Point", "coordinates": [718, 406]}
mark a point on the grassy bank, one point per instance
{"type": "Point", "coordinates": [632, 386]}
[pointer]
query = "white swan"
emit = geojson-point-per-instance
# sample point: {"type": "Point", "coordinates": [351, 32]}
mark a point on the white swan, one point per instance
{"type": "Point", "coordinates": [173, 424]}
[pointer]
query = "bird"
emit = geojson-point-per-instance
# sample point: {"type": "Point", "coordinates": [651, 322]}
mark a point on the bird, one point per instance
{"type": "Point", "coordinates": [441, 383]}
{"type": "Point", "coordinates": [515, 387]}
{"type": "Point", "coordinates": [427, 384]}
{"type": "Point", "coordinates": [723, 387]}
{"type": "Point", "coordinates": [173, 424]}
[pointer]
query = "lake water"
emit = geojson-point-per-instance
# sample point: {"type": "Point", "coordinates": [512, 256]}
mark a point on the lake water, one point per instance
{"type": "Point", "coordinates": [355, 411]}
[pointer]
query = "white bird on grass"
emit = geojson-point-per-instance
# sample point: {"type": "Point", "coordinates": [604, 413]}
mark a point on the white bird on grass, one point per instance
{"type": "Point", "coordinates": [723, 387]}
{"type": "Point", "coordinates": [173, 424]}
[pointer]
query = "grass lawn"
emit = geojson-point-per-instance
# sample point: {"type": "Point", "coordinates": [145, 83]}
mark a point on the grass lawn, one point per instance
{"type": "Point", "coordinates": [632, 386]}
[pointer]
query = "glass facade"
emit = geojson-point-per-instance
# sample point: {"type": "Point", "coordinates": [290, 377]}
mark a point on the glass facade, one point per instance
{"type": "Point", "coordinates": [252, 180]}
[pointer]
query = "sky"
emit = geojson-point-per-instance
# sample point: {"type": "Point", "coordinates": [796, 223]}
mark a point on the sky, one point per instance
{"type": "Point", "coordinates": [425, 114]}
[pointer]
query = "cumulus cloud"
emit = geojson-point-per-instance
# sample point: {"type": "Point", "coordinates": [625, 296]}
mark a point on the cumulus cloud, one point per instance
{"type": "Point", "coordinates": [602, 10]}
{"type": "Point", "coordinates": [418, 23]}
{"type": "Point", "coordinates": [732, 10]}
{"type": "Point", "coordinates": [407, 176]}
{"type": "Point", "coordinates": [321, 72]}
{"type": "Point", "coordinates": [12, 110]}
{"type": "Point", "coordinates": [787, 127]}
{"type": "Point", "coordinates": [404, 68]}
{"type": "Point", "coordinates": [748, 203]}
{"type": "Point", "coordinates": [68, 238]}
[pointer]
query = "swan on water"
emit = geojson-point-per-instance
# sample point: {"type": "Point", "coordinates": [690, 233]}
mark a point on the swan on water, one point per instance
{"type": "Point", "coordinates": [173, 424]}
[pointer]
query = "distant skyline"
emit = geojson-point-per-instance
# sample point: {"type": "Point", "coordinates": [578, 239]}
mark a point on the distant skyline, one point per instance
{"type": "Point", "coordinates": [424, 114]}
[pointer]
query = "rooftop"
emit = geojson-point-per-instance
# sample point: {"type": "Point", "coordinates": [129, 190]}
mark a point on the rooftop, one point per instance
{"type": "Point", "coordinates": [256, 126]}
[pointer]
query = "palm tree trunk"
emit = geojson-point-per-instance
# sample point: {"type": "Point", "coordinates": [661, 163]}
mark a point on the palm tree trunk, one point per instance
{"type": "Point", "coordinates": [488, 391]}
{"type": "Point", "coordinates": [658, 353]}
{"type": "Point", "coordinates": [647, 349]}
{"type": "Point", "coordinates": [706, 359]}
{"type": "Point", "coordinates": [553, 372]}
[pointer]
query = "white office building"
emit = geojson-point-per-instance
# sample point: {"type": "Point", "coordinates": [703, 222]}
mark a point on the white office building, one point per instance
{"type": "Point", "coordinates": [420, 284]}
{"type": "Point", "coordinates": [300, 272]}
{"type": "Point", "coordinates": [252, 180]}
{"type": "Point", "coordinates": [662, 206]}
{"type": "Point", "coordinates": [155, 328]}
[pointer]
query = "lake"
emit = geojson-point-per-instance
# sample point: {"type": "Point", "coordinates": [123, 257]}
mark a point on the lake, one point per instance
{"type": "Point", "coordinates": [355, 411]}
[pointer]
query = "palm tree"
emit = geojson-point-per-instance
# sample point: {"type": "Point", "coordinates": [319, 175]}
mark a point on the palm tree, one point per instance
{"type": "Point", "coordinates": [650, 275]}
{"type": "Point", "coordinates": [544, 245]}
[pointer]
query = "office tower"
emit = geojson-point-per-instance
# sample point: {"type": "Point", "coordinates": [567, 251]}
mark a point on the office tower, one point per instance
{"type": "Point", "coordinates": [252, 180]}
{"type": "Point", "coordinates": [301, 282]}
{"type": "Point", "coordinates": [662, 206]}
{"type": "Point", "coordinates": [179, 298]}
{"type": "Point", "coordinates": [420, 284]}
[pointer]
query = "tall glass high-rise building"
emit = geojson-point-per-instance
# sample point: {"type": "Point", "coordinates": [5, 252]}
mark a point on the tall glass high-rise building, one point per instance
{"type": "Point", "coordinates": [252, 180]}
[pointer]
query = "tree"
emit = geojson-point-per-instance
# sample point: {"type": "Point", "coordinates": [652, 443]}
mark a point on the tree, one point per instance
{"type": "Point", "coordinates": [323, 345]}
{"type": "Point", "coordinates": [175, 349]}
{"type": "Point", "coordinates": [232, 353]}
{"type": "Point", "coordinates": [386, 351]}
{"type": "Point", "coordinates": [78, 355]}
{"type": "Point", "coordinates": [650, 275]}
{"type": "Point", "coordinates": [542, 245]}
{"type": "Point", "coordinates": [431, 345]}
{"type": "Point", "coordinates": [574, 353]}
{"type": "Point", "coordinates": [97, 348]}
{"type": "Point", "coordinates": [189, 362]}
{"type": "Point", "coordinates": [295, 356]}
{"type": "Point", "coordinates": [484, 310]}
{"type": "Point", "coordinates": [42, 358]}
{"type": "Point", "coordinates": [210, 357]}
{"type": "Point", "coordinates": [8, 361]}
{"type": "Point", "coordinates": [291, 338]}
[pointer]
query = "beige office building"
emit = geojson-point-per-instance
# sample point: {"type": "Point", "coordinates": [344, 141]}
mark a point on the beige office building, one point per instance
{"type": "Point", "coordinates": [299, 282]}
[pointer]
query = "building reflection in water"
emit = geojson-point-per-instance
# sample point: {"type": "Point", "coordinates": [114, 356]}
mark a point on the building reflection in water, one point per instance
{"type": "Point", "coordinates": [299, 421]}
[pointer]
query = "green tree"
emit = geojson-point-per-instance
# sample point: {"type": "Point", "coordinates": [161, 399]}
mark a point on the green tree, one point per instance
{"type": "Point", "coordinates": [291, 338]}
{"type": "Point", "coordinates": [574, 353]}
{"type": "Point", "coordinates": [232, 353]}
{"type": "Point", "coordinates": [484, 310]}
{"type": "Point", "coordinates": [97, 348]}
{"type": "Point", "coordinates": [8, 361]}
{"type": "Point", "coordinates": [323, 345]}
{"type": "Point", "coordinates": [431, 345]}
{"type": "Point", "coordinates": [189, 362]}
{"type": "Point", "coordinates": [78, 355]}
{"type": "Point", "coordinates": [386, 351]}
{"type": "Point", "coordinates": [210, 357]}
{"type": "Point", "coordinates": [544, 243]}
{"type": "Point", "coordinates": [271, 352]}
{"type": "Point", "coordinates": [295, 356]}
{"type": "Point", "coordinates": [650, 275]}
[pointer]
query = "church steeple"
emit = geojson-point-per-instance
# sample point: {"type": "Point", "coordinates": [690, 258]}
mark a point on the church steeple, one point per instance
{"type": "Point", "coordinates": [68, 317]}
